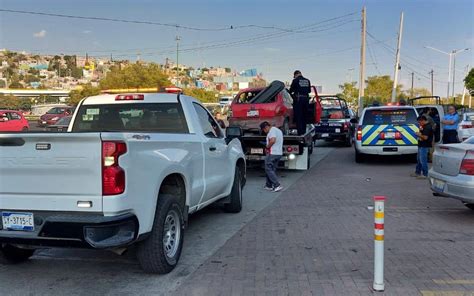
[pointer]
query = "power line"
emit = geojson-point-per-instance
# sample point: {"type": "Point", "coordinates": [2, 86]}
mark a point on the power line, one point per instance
{"type": "Point", "coordinates": [177, 26]}
{"type": "Point", "coordinates": [374, 61]}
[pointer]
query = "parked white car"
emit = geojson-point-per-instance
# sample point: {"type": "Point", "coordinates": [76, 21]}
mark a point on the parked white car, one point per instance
{"type": "Point", "coordinates": [466, 126]}
{"type": "Point", "coordinates": [129, 170]}
{"type": "Point", "coordinates": [225, 101]}
{"type": "Point", "coordinates": [452, 174]}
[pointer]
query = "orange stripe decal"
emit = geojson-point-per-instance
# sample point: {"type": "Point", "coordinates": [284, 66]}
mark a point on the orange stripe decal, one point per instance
{"type": "Point", "coordinates": [378, 237]}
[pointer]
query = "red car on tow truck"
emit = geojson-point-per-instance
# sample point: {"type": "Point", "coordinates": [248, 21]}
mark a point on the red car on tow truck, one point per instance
{"type": "Point", "coordinates": [274, 104]}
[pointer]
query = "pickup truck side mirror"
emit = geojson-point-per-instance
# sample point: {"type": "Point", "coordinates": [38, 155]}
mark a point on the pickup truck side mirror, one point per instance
{"type": "Point", "coordinates": [354, 120]}
{"type": "Point", "coordinates": [233, 132]}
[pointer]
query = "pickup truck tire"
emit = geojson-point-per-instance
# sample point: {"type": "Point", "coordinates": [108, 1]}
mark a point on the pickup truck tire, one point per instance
{"type": "Point", "coordinates": [160, 252]}
{"type": "Point", "coordinates": [235, 204]}
{"type": "Point", "coordinates": [10, 254]}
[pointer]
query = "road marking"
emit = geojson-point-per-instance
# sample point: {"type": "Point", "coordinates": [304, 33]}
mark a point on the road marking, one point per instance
{"type": "Point", "coordinates": [454, 282]}
{"type": "Point", "coordinates": [446, 293]}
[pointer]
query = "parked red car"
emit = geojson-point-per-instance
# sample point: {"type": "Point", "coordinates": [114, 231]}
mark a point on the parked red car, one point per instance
{"type": "Point", "coordinates": [251, 106]}
{"type": "Point", "coordinates": [12, 121]}
{"type": "Point", "coordinates": [273, 103]}
{"type": "Point", "coordinates": [53, 115]}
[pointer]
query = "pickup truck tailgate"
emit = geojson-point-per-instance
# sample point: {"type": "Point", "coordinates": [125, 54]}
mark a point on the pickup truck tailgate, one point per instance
{"type": "Point", "coordinates": [50, 171]}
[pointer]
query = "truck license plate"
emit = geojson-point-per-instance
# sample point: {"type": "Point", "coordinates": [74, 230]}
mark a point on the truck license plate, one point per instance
{"type": "Point", "coordinates": [389, 135]}
{"type": "Point", "coordinates": [256, 151]}
{"type": "Point", "coordinates": [18, 221]}
{"type": "Point", "coordinates": [438, 185]}
{"type": "Point", "coordinates": [338, 130]}
{"type": "Point", "coordinates": [324, 135]}
{"type": "Point", "coordinates": [253, 113]}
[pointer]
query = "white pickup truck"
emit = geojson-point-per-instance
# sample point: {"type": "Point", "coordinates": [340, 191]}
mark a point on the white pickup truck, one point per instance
{"type": "Point", "coordinates": [129, 171]}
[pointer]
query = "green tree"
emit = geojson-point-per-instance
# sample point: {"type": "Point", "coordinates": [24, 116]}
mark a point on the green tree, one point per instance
{"type": "Point", "coordinates": [9, 102]}
{"type": "Point", "coordinates": [379, 88]}
{"type": "Point", "coordinates": [469, 81]}
{"type": "Point", "coordinates": [86, 90]}
{"type": "Point", "coordinates": [349, 91]}
{"type": "Point", "coordinates": [135, 76]}
{"type": "Point", "coordinates": [204, 96]}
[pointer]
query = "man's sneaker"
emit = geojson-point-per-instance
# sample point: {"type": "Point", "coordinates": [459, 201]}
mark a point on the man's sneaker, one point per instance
{"type": "Point", "coordinates": [414, 175]}
{"type": "Point", "coordinates": [278, 188]}
{"type": "Point", "coordinates": [267, 188]}
{"type": "Point", "coordinates": [420, 177]}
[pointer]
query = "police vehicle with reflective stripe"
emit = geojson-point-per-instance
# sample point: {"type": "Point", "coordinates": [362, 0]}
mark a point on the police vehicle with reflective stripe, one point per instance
{"type": "Point", "coordinates": [386, 130]}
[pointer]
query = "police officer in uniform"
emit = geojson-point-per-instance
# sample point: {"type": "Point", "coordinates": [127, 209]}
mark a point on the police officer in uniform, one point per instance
{"type": "Point", "coordinates": [300, 89]}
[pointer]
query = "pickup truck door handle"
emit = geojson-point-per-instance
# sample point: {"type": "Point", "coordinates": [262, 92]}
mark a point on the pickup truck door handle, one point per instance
{"type": "Point", "coordinates": [212, 148]}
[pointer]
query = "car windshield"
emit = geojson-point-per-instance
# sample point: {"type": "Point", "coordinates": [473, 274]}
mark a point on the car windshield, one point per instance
{"type": "Point", "coordinates": [55, 111]}
{"type": "Point", "coordinates": [146, 117]}
{"type": "Point", "coordinates": [389, 116]}
{"type": "Point", "coordinates": [64, 121]}
{"type": "Point", "coordinates": [332, 113]}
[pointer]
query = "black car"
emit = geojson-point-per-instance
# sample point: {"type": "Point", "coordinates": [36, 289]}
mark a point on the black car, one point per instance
{"type": "Point", "coordinates": [335, 121]}
{"type": "Point", "coordinates": [60, 126]}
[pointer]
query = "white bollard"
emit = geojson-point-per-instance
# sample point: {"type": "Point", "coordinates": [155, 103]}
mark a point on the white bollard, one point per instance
{"type": "Point", "coordinates": [379, 202]}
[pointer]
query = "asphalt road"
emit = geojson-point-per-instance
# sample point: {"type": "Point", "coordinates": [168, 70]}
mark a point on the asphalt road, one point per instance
{"type": "Point", "coordinates": [90, 272]}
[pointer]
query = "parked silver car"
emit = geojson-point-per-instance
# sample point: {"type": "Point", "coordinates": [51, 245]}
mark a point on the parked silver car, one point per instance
{"type": "Point", "coordinates": [466, 126]}
{"type": "Point", "coordinates": [452, 174]}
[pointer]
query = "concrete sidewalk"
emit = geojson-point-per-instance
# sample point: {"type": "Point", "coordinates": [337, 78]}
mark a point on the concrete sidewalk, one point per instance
{"type": "Point", "coordinates": [317, 238]}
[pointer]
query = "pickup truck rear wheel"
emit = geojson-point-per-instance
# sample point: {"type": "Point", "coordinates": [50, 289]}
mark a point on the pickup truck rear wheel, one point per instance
{"type": "Point", "coordinates": [10, 254]}
{"type": "Point", "coordinates": [160, 252]}
{"type": "Point", "coordinates": [235, 204]}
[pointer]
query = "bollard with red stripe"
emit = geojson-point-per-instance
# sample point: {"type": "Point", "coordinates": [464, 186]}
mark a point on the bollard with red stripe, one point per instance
{"type": "Point", "coordinates": [379, 210]}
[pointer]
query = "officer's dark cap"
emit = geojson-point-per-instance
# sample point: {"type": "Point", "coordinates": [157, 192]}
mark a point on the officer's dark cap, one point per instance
{"type": "Point", "coordinates": [297, 72]}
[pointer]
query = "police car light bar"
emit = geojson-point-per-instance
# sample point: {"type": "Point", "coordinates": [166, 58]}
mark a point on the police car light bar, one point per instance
{"type": "Point", "coordinates": [130, 97]}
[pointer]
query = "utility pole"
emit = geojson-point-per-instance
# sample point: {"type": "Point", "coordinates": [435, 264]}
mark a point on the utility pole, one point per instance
{"type": "Point", "coordinates": [412, 83]}
{"type": "Point", "coordinates": [431, 73]}
{"type": "Point", "coordinates": [464, 89]}
{"type": "Point", "coordinates": [397, 61]}
{"type": "Point", "coordinates": [362, 62]}
{"type": "Point", "coordinates": [177, 59]}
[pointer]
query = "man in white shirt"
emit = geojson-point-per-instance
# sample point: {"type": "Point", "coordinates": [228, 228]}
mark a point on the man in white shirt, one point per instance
{"type": "Point", "coordinates": [274, 146]}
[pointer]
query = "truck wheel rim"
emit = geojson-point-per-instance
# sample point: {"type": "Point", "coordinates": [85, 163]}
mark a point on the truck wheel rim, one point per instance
{"type": "Point", "coordinates": [171, 234]}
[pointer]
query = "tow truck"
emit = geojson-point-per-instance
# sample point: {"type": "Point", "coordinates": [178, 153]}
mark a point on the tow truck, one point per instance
{"type": "Point", "coordinates": [275, 105]}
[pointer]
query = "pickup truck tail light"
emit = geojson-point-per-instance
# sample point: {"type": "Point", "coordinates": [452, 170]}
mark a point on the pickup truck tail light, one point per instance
{"type": "Point", "coordinates": [359, 133]}
{"type": "Point", "coordinates": [113, 176]}
{"type": "Point", "coordinates": [467, 165]}
{"type": "Point", "coordinates": [463, 126]}
{"type": "Point", "coordinates": [398, 135]}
